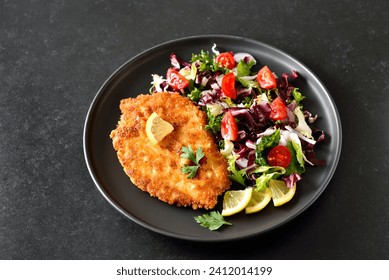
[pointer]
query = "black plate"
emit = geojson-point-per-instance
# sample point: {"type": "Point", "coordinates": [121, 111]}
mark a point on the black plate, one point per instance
{"type": "Point", "coordinates": [134, 77]}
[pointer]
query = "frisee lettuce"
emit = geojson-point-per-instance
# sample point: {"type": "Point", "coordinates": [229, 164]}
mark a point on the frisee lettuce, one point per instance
{"type": "Point", "coordinates": [207, 62]}
{"type": "Point", "coordinates": [214, 121]}
{"type": "Point", "coordinates": [297, 95]}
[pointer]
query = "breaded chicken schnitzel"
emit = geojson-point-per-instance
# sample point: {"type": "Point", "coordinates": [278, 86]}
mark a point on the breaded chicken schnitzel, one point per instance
{"type": "Point", "coordinates": [156, 168]}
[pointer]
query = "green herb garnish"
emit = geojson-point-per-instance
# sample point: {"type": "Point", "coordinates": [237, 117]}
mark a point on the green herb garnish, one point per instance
{"type": "Point", "coordinates": [213, 221]}
{"type": "Point", "coordinates": [188, 153]}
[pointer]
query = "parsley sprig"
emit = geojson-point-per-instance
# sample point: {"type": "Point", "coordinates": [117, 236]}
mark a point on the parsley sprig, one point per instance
{"type": "Point", "coordinates": [187, 152]}
{"type": "Point", "coordinates": [213, 221]}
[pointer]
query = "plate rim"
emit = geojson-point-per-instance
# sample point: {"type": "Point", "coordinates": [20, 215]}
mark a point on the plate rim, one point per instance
{"type": "Point", "coordinates": [97, 99]}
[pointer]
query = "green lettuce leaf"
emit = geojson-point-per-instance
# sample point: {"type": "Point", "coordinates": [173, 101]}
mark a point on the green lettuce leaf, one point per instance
{"type": "Point", "coordinates": [235, 174]}
{"type": "Point", "coordinates": [297, 165]}
{"type": "Point", "coordinates": [269, 173]}
{"type": "Point", "coordinates": [244, 69]}
{"type": "Point", "coordinates": [266, 143]}
{"type": "Point", "coordinates": [248, 83]}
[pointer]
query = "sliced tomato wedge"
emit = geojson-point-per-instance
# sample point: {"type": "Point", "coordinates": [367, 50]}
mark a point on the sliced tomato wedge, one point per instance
{"type": "Point", "coordinates": [229, 127]}
{"type": "Point", "coordinates": [226, 59]}
{"type": "Point", "coordinates": [266, 78]}
{"type": "Point", "coordinates": [279, 156]}
{"type": "Point", "coordinates": [228, 85]}
{"type": "Point", "coordinates": [278, 110]}
{"type": "Point", "coordinates": [176, 80]}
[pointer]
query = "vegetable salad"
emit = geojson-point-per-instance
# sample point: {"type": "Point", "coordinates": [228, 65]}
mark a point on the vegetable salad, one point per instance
{"type": "Point", "coordinates": [257, 118]}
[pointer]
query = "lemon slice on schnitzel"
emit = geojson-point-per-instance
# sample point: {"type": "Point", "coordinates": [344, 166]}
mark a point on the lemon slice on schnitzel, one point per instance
{"type": "Point", "coordinates": [258, 201]}
{"type": "Point", "coordinates": [281, 194]}
{"type": "Point", "coordinates": [157, 128]}
{"type": "Point", "coordinates": [236, 201]}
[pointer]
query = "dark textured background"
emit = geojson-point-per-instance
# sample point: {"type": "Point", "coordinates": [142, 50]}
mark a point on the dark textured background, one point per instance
{"type": "Point", "coordinates": [54, 56]}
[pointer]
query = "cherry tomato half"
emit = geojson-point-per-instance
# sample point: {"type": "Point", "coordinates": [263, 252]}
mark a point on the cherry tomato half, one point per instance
{"type": "Point", "coordinates": [279, 156]}
{"type": "Point", "coordinates": [176, 80]}
{"type": "Point", "coordinates": [266, 79]}
{"type": "Point", "coordinates": [278, 110]}
{"type": "Point", "coordinates": [229, 128]}
{"type": "Point", "coordinates": [226, 60]}
{"type": "Point", "coordinates": [228, 85]}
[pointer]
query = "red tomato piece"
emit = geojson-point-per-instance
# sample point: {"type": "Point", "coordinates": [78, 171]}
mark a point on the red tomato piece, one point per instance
{"type": "Point", "coordinates": [279, 156]}
{"type": "Point", "coordinates": [229, 127]}
{"type": "Point", "coordinates": [226, 60]}
{"type": "Point", "coordinates": [176, 80]}
{"type": "Point", "coordinates": [228, 85]}
{"type": "Point", "coordinates": [266, 78]}
{"type": "Point", "coordinates": [278, 110]}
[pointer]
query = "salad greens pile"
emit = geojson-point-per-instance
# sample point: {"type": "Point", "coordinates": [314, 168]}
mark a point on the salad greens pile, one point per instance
{"type": "Point", "coordinates": [250, 112]}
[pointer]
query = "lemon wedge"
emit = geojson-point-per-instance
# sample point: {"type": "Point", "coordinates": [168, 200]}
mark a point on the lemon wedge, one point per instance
{"type": "Point", "coordinates": [258, 201]}
{"type": "Point", "coordinates": [281, 194]}
{"type": "Point", "coordinates": [157, 128]}
{"type": "Point", "coordinates": [236, 201]}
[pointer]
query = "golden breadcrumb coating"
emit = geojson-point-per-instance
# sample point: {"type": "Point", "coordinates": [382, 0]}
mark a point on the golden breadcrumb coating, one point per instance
{"type": "Point", "coordinates": [156, 168]}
